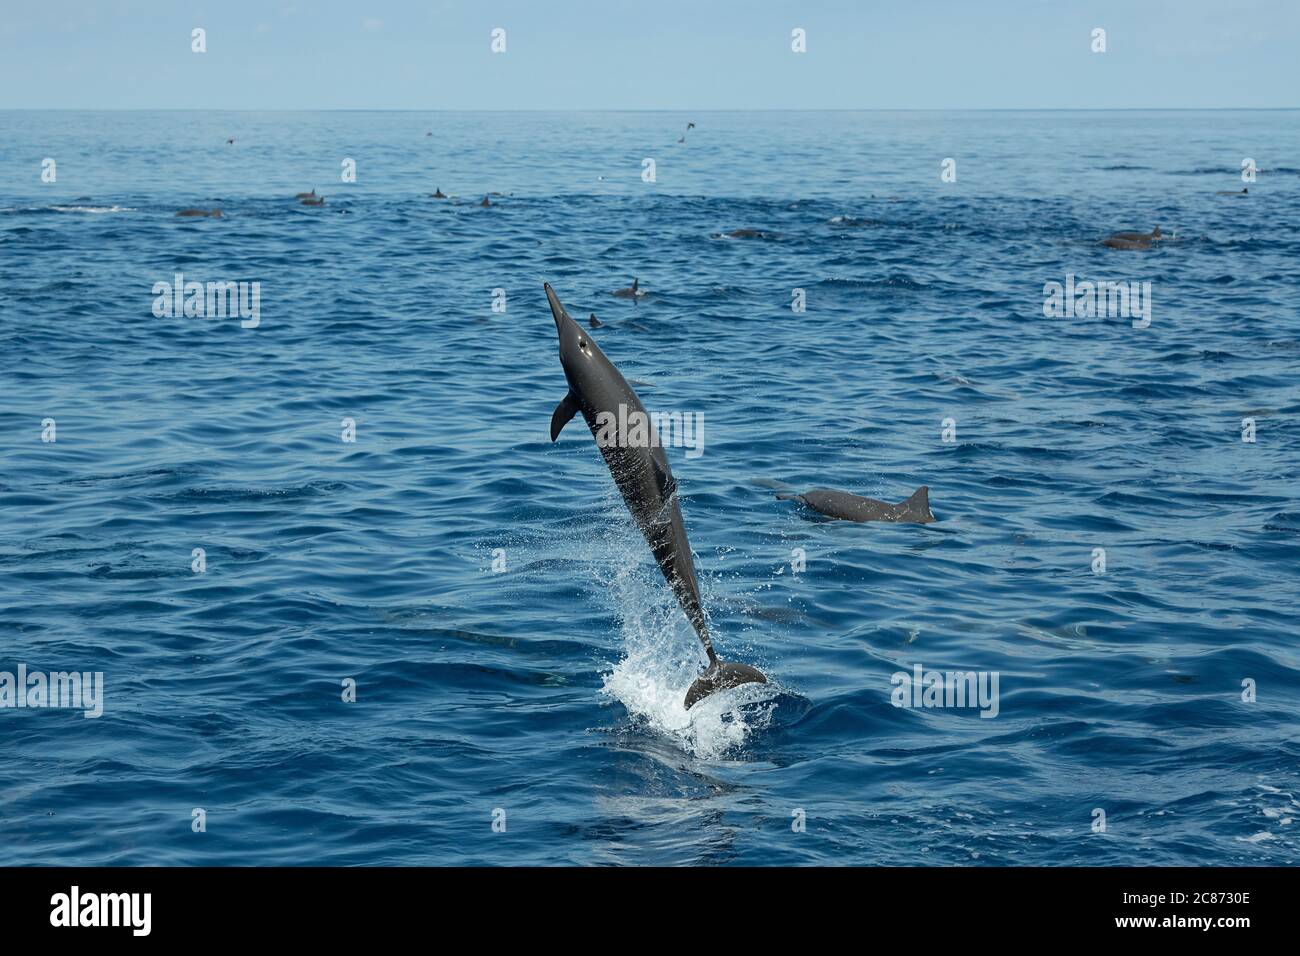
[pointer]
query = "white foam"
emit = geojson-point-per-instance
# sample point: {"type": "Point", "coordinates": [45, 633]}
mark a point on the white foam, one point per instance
{"type": "Point", "coordinates": [93, 209]}
{"type": "Point", "coordinates": [654, 690]}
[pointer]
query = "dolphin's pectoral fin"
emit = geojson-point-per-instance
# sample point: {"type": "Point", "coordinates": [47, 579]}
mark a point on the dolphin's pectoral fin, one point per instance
{"type": "Point", "coordinates": [564, 411]}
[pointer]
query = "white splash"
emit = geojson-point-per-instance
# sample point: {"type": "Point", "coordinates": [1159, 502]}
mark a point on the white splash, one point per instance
{"type": "Point", "coordinates": [663, 656]}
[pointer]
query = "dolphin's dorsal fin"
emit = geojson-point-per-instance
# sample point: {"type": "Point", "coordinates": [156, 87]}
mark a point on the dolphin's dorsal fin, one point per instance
{"type": "Point", "coordinates": [919, 503]}
{"type": "Point", "coordinates": [564, 411]}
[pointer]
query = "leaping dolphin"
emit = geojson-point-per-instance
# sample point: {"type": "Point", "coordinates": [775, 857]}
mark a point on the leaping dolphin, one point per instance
{"type": "Point", "coordinates": [640, 469]}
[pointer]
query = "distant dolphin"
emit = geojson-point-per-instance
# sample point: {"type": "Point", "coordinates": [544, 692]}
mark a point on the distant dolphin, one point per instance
{"type": "Point", "coordinates": [594, 322]}
{"type": "Point", "coordinates": [316, 201]}
{"type": "Point", "coordinates": [747, 234]}
{"type": "Point", "coordinates": [640, 469]}
{"type": "Point", "coordinates": [310, 195]}
{"type": "Point", "coordinates": [1116, 242]}
{"type": "Point", "coordinates": [438, 194]}
{"type": "Point", "coordinates": [485, 202]}
{"type": "Point", "coordinates": [841, 504]}
{"type": "Point", "coordinates": [1137, 236]}
{"type": "Point", "coordinates": [214, 213]}
{"type": "Point", "coordinates": [1232, 192]}
{"type": "Point", "coordinates": [630, 292]}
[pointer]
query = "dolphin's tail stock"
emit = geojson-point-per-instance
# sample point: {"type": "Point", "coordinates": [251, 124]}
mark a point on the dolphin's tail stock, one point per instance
{"type": "Point", "coordinates": [719, 675]}
{"type": "Point", "coordinates": [918, 506]}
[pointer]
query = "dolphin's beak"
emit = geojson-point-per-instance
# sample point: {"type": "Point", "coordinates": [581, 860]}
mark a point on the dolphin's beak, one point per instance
{"type": "Point", "coordinates": [557, 307]}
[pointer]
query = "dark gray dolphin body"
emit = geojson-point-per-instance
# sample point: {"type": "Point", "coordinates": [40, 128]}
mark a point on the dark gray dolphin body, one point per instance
{"type": "Point", "coordinates": [841, 504]}
{"type": "Point", "coordinates": [1135, 236]}
{"type": "Point", "coordinates": [1132, 240]}
{"type": "Point", "coordinates": [1116, 242]}
{"type": "Point", "coordinates": [640, 469]}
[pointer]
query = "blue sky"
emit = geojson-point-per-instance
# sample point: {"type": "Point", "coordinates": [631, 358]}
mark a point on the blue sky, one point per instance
{"type": "Point", "coordinates": [632, 54]}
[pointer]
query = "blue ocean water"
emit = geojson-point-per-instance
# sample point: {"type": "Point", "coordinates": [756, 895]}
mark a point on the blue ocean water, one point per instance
{"type": "Point", "coordinates": [549, 687]}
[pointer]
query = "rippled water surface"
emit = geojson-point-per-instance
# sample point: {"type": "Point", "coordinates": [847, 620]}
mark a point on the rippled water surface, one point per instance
{"type": "Point", "coordinates": [552, 689]}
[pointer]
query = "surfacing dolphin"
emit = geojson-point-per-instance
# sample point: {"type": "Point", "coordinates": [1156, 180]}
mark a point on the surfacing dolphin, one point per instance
{"type": "Point", "coordinates": [631, 292]}
{"type": "Point", "coordinates": [841, 504]}
{"type": "Point", "coordinates": [1137, 236]}
{"type": "Point", "coordinates": [640, 469]}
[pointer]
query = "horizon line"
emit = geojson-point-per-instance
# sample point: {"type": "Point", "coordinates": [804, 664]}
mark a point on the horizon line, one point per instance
{"type": "Point", "coordinates": [673, 109]}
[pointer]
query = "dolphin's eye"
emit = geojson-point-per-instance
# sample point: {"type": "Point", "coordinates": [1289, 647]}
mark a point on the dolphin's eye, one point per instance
{"type": "Point", "coordinates": [582, 343]}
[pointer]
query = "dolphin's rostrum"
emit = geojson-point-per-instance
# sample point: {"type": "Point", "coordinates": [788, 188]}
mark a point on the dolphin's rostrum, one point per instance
{"type": "Point", "coordinates": [643, 477]}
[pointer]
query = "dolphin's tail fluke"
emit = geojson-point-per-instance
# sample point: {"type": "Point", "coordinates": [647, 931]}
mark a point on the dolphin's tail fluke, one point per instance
{"type": "Point", "coordinates": [720, 676]}
{"type": "Point", "coordinates": [918, 506]}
